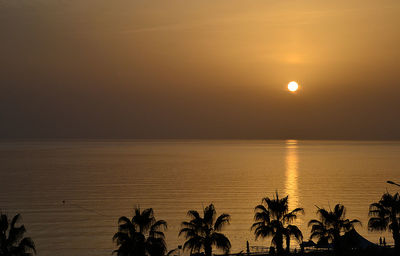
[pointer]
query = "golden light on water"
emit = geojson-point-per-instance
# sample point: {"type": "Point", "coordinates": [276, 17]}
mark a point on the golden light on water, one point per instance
{"type": "Point", "coordinates": [291, 179]}
{"type": "Point", "coordinates": [291, 174]}
{"type": "Point", "coordinates": [293, 86]}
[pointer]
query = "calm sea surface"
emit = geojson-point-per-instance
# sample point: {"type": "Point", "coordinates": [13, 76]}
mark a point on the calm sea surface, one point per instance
{"type": "Point", "coordinates": [103, 180]}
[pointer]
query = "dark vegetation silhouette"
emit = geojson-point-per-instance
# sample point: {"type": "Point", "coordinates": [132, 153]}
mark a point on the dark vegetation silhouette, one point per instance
{"type": "Point", "coordinates": [141, 236]}
{"type": "Point", "coordinates": [385, 215]}
{"type": "Point", "coordinates": [12, 240]}
{"type": "Point", "coordinates": [331, 225]}
{"type": "Point", "coordinates": [273, 219]}
{"type": "Point", "coordinates": [204, 232]}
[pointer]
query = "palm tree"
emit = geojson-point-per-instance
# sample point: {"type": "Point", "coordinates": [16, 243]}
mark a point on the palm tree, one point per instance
{"type": "Point", "coordinates": [15, 244]}
{"type": "Point", "coordinates": [385, 214]}
{"type": "Point", "coordinates": [273, 219]}
{"type": "Point", "coordinates": [331, 225]}
{"type": "Point", "coordinates": [204, 232]}
{"type": "Point", "coordinates": [142, 235]}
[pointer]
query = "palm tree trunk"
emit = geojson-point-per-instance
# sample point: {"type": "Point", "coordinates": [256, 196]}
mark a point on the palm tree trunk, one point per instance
{"type": "Point", "coordinates": [279, 244]}
{"type": "Point", "coordinates": [208, 250]}
{"type": "Point", "coordinates": [336, 244]}
{"type": "Point", "coordinates": [396, 238]}
{"type": "Point", "coordinates": [287, 245]}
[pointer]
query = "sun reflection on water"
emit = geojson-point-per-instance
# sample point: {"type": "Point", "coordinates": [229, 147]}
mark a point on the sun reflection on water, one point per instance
{"type": "Point", "coordinates": [291, 182]}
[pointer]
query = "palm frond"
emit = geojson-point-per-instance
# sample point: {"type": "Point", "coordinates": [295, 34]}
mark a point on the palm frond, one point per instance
{"type": "Point", "coordinates": [193, 214]}
{"type": "Point", "coordinates": [172, 251]}
{"type": "Point", "coordinates": [261, 208]}
{"type": "Point", "coordinates": [340, 211]}
{"type": "Point", "coordinates": [14, 220]}
{"type": "Point", "coordinates": [264, 231]}
{"type": "Point", "coordinates": [221, 221]}
{"type": "Point", "coordinates": [194, 244]}
{"type": "Point", "coordinates": [27, 244]}
{"type": "Point", "coordinates": [291, 216]}
{"type": "Point", "coordinates": [294, 231]}
{"type": "Point", "coordinates": [209, 214]}
{"type": "Point", "coordinates": [221, 242]}
{"type": "Point", "coordinates": [298, 210]}
{"type": "Point", "coordinates": [159, 225]}
{"type": "Point", "coordinates": [120, 238]}
{"type": "Point", "coordinates": [156, 234]}
{"type": "Point", "coordinates": [143, 219]}
{"type": "Point", "coordinates": [156, 246]}
{"type": "Point", "coordinates": [262, 215]}
{"type": "Point", "coordinates": [315, 222]}
{"type": "Point", "coordinates": [15, 234]}
{"type": "Point", "coordinates": [123, 219]}
{"type": "Point", "coordinates": [378, 224]}
{"type": "Point", "coordinates": [3, 223]}
{"type": "Point", "coordinates": [187, 232]}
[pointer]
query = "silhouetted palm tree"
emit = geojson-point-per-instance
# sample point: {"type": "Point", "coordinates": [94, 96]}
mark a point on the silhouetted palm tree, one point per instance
{"type": "Point", "coordinates": [143, 235]}
{"type": "Point", "coordinates": [204, 232]}
{"type": "Point", "coordinates": [331, 225]}
{"type": "Point", "coordinates": [385, 214]}
{"type": "Point", "coordinates": [273, 219]}
{"type": "Point", "coordinates": [14, 243]}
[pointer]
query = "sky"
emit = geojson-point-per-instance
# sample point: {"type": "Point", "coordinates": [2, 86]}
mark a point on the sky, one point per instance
{"type": "Point", "coordinates": [210, 69]}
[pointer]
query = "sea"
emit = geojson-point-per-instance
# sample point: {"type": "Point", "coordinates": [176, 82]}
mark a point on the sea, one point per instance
{"type": "Point", "coordinates": [70, 194]}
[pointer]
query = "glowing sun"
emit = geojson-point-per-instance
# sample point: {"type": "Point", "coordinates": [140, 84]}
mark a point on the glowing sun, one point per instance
{"type": "Point", "coordinates": [293, 86]}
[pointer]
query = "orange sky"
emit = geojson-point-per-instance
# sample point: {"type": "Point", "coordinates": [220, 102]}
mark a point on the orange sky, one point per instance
{"type": "Point", "coordinates": [199, 69]}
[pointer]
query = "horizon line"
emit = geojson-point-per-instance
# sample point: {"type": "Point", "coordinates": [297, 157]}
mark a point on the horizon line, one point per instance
{"type": "Point", "coordinates": [34, 139]}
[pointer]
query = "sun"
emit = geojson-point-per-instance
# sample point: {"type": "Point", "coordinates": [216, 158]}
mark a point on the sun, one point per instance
{"type": "Point", "coordinates": [293, 86]}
